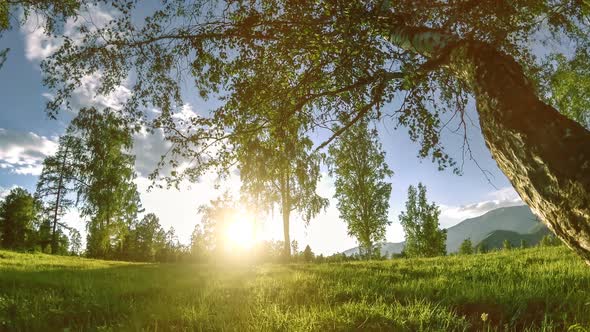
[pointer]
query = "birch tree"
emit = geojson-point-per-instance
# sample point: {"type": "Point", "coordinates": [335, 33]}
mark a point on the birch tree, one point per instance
{"type": "Point", "coordinates": [358, 164]}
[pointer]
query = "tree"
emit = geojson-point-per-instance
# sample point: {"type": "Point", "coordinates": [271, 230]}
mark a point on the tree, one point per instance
{"type": "Point", "coordinates": [353, 58]}
{"type": "Point", "coordinates": [110, 196]}
{"type": "Point", "coordinates": [215, 217]}
{"type": "Point", "coordinates": [198, 244]}
{"type": "Point", "coordinates": [146, 238]}
{"type": "Point", "coordinates": [549, 241]}
{"type": "Point", "coordinates": [523, 244]}
{"type": "Point", "coordinates": [58, 179]}
{"type": "Point", "coordinates": [420, 223]}
{"type": "Point", "coordinates": [278, 169]}
{"type": "Point", "coordinates": [358, 163]}
{"type": "Point", "coordinates": [75, 242]}
{"type": "Point", "coordinates": [308, 254]}
{"type": "Point", "coordinates": [466, 247]}
{"type": "Point", "coordinates": [506, 245]}
{"type": "Point", "coordinates": [18, 213]}
{"type": "Point", "coordinates": [294, 247]}
{"type": "Point", "coordinates": [481, 248]}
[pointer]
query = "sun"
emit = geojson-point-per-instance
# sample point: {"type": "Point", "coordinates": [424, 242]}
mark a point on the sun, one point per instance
{"type": "Point", "coordinates": [240, 230]}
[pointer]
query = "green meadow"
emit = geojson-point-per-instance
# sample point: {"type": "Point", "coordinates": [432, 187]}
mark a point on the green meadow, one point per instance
{"type": "Point", "coordinates": [538, 289]}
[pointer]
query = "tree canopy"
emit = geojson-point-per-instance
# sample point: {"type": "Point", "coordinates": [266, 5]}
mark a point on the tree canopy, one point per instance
{"type": "Point", "coordinates": [358, 163]}
{"type": "Point", "coordinates": [420, 223]}
{"type": "Point", "coordinates": [110, 197]}
{"type": "Point", "coordinates": [335, 60]}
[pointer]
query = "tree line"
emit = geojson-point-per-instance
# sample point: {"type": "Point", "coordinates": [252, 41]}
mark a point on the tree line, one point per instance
{"type": "Point", "coordinates": [93, 170]}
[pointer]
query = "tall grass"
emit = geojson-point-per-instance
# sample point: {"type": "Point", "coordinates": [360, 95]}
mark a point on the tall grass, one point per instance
{"type": "Point", "coordinates": [534, 289]}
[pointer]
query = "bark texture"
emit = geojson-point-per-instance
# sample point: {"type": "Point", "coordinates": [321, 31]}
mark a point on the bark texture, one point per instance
{"type": "Point", "coordinates": [545, 155]}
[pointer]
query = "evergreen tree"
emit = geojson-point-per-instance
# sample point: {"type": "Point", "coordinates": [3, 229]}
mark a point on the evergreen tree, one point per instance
{"type": "Point", "coordinates": [308, 255]}
{"type": "Point", "coordinates": [420, 223]}
{"type": "Point", "coordinates": [358, 162]}
{"type": "Point", "coordinates": [57, 180]}
{"type": "Point", "coordinates": [466, 247]}
{"type": "Point", "coordinates": [506, 245]}
{"type": "Point", "coordinates": [146, 237]}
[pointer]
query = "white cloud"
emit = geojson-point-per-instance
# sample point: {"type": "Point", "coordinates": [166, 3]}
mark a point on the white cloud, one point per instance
{"type": "Point", "coordinates": [39, 45]}
{"type": "Point", "coordinates": [186, 114]}
{"type": "Point", "coordinates": [148, 149]}
{"type": "Point", "coordinates": [86, 94]}
{"type": "Point", "coordinates": [5, 191]}
{"type": "Point", "coordinates": [504, 197]}
{"type": "Point", "coordinates": [23, 152]}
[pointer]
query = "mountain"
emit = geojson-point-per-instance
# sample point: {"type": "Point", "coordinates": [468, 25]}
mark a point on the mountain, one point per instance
{"type": "Point", "coordinates": [517, 219]}
{"type": "Point", "coordinates": [387, 248]}
{"type": "Point", "coordinates": [496, 238]}
{"type": "Point", "coordinates": [492, 228]}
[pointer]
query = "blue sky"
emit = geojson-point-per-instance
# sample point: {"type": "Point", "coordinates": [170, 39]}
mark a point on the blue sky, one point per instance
{"type": "Point", "coordinates": [27, 135]}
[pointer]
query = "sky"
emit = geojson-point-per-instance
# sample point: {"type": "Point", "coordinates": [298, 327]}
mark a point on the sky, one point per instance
{"type": "Point", "coordinates": [27, 136]}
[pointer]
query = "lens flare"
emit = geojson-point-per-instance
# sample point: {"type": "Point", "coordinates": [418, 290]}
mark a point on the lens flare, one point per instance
{"type": "Point", "coordinates": [240, 231]}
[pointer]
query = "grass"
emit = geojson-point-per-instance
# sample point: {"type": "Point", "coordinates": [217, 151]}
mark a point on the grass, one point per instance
{"type": "Point", "coordinates": [544, 289]}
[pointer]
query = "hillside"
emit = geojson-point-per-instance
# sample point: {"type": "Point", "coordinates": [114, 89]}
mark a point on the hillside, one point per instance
{"type": "Point", "coordinates": [515, 222]}
{"type": "Point", "coordinates": [496, 238]}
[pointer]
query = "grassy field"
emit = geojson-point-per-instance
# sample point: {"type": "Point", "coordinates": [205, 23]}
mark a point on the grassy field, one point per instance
{"type": "Point", "coordinates": [535, 289]}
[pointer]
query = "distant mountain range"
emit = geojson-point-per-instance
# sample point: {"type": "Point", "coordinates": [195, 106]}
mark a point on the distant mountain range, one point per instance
{"type": "Point", "coordinates": [513, 223]}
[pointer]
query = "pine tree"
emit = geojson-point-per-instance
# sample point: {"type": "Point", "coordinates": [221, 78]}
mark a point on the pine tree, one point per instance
{"type": "Point", "coordinates": [308, 255]}
{"type": "Point", "coordinates": [58, 179]}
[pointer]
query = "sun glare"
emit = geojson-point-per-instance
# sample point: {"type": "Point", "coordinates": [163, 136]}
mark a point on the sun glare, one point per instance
{"type": "Point", "coordinates": [240, 231]}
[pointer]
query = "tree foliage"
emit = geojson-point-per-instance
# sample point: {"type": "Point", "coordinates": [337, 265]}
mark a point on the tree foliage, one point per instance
{"type": "Point", "coordinates": [215, 218]}
{"type": "Point", "coordinates": [58, 181]}
{"type": "Point", "coordinates": [466, 247]}
{"type": "Point", "coordinates": [348, 60]}
{"type": "Point", "coordinates": [277, 167]}
{"type": "Point", "coordinates": [308, 255]}
{"type": "Point", "coordinates": [54, 13]}
{"type": "Point", "coordinates": [19, 213]}
{"type": "Point", "coordinates": [110, 196]}
{"type": "Point", "coordinates": [420, 223]}
{"type": "Point", "coordinates": [358, 163]}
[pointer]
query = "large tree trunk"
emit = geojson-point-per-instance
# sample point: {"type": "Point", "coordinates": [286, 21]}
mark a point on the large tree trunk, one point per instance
{"type": "Point", "coordinates": [545, 155]}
